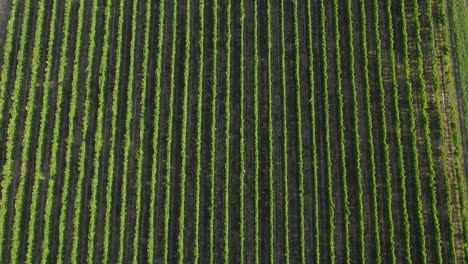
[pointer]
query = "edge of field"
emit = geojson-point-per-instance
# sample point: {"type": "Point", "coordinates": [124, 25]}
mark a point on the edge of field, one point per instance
{"type": "Point", "coordinates": [5, 6]}
{"type": "Point", "coordinates": [458, 19]}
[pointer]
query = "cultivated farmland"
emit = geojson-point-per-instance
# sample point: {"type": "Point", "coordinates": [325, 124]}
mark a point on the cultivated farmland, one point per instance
{"type": "Point", "coordinates": [248, 131]}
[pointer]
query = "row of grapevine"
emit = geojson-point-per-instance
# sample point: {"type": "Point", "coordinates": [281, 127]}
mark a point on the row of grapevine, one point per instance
{"type": "Point", "coordinates": [98, 136]}
{"type": "Point", "coordinates": [227, 133]}
{"type": "Point", "coordinates": [456, 139]}
{"type": "Point", "coordinates": [331, 202]}
{"type": "Point", "coordinates": [316, 227]}
{"type": "Point", "coordinates": [69, 148]}
{"type": "Point", "coordinates": [440, 130]}
{"type": "Point", "coordinates": [299, 135]}
{"type": "Point", "coordinates": [270, 140]}
{"type": "Point", "coordinates": [256, 137]}
{"type": "Point", "coordinates": [128, 134]}
{"type": "Point", "coordinates": [38, 171]}
{"type": "Point", "coordinates": [198, 172]}
{"type": "Point", "coordinates": [341, 125]}
{"type": "Point", "coordinates": [357, 145]}
{"type": "Point", "coordinates": [183, 176]}
{"type": "Point", "coordinates": [434, 67]}
{"type": "Point", "coordinates": [457, 9]}
{"type": "Point", "coordinates": [8, 57]}
{"type": "Point", "coordinates": [55, 145]}
{"type": "Point", "coordinates": [285, 144]}
{"type": "Point", "coordinates": [242, 134]}
{"type": "Point", "coordinates": [155, 137]}
{"type": "Point", "coordinates": [370, 136]}
{"type": "Point", "coordinates": [12, 128]}
{"type": "Point", "coordinates": [461, 187]}
{"type": "Point", "coordinates": [111, 170]}
{"type": "Point", "coordinates": [426, 133]}
{"type": "Point", "coordinates": [413, 152]}
{"type": "Point", "coordinates": [213, 129]}
{"type": "Point", "coordinates": [383, 117]}
{"type": "Point", "coordinates": [168, 181]}
{"type": "Point", "coordinates": [142, 123]}
{"type": "Point", "coordinates": [26, 142]}
{"type": "Point", "coordinates": [399, 146]}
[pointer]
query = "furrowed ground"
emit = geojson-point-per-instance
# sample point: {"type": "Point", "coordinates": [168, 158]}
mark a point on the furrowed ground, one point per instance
{"type": "Point", "coordinates": [274, 131]}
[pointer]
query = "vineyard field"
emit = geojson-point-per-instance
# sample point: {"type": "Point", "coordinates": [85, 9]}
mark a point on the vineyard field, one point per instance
{"type": "Point", "coordinates": [209, 131]}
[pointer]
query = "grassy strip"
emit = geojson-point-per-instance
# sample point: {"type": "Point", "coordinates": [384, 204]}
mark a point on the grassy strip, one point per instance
{"type": "Point", "coordinates": [69, 151]}
{"type": "Point", "coordinates": [115, 106]}
{"type": "Point", "coordinates": [8, 56]}
{"type": "Point", "coordinates": [38, 175]}
{"type": "Point", "coordinates": [227, 142]}
{"type": "Point", "coordinates": [27, 137]}
{"type": "Point", "coordinates": [460, 23]}
{"type": "Point", "coordinates": [168, 182]}
{"type": "Point", "coordinates": [331, 203]}
{"type": "Point", "coordinates": [299, 134]}
{"type": "Point", "coordinates": [157, 104]}
{"type": "Point", "coordinates": [400, 152]}
{"type": "Point", "coordinates": [427, 133]}
{"type": "Point", "coordinates": [370, 141]}
{"type": "Point", "coordinates": [285, 138]}
{"type": "Point", "coordinates": [141, 152]}
{"type": "Point", "coordinates": [413, 153]}
{"type": "Point", "coordinates": [439, 132]}
{"type": "Point", "coordinates": [213, 130]}
{"type": "Point", "coordinates": [270, 139]}
{"type": "Point", "coordinates": [459, 11]}
{"type": "Point", "coordinates": [183, 176]}
{"type": "Point", "coordinates": [98, 136]}
{"type": "Point", "coordinates": [12, 130]}
{"type": "Point", "coordinates": [316, 227]}
{"type": "Point", "coordinates": [198, 173]}
{"type": "Point", "coordinates": [63, 66]}
{"type": "Point", "coordinates": [342, 129]}
{"type": "Point", "coordinates": [128, 134]}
